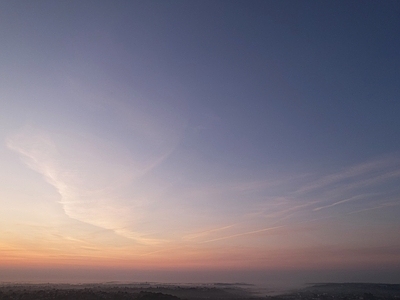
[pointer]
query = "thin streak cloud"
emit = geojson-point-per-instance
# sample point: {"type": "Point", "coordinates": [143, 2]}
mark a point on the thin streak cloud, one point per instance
{"type": "Point", "coordinates": [358, 197]}
{"type": "Point", "coordinates": [243, 234]}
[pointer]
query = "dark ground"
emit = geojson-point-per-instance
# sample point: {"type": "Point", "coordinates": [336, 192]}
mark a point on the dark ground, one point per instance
{"type": "Point", "coordinates": [146, 291]}
{"type": "Point", "coordinates": [344, 291]}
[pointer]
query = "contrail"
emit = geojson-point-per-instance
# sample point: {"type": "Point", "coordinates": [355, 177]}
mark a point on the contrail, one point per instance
{"type": "Point", "coordinates": [241, 234]}
{"type": "Point", "coordinates": [203, 233]}
{"type": "Point", "coordinates": [375, 207]}
{"type": "Point", "coordinates": [340, 202]}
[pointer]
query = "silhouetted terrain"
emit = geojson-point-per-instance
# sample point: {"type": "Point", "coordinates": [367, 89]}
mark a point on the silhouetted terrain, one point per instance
{"type": "Point", "coordinates": [326, 291]}
{"type": "Point", "coordinates": [344, 291]}
{"type": "Point", "coordinates": [122, 292]}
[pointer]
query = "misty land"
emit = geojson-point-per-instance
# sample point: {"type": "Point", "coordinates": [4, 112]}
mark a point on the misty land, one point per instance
{"type": "Point", "coordinates": [216, 291]}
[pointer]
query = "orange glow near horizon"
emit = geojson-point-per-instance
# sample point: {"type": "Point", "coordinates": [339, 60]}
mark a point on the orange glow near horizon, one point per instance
{"type": "Point", "coordinates": [227, 138]}
{"type": "Point", "coordinates": [187, 258]}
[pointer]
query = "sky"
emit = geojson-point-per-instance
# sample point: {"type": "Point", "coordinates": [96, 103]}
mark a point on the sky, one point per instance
{"type": "Point", "coordinates": [200, 141]}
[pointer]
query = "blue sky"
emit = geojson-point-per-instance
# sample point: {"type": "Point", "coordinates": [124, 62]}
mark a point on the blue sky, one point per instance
{"type": "Point", "coordinates": [210, 136]}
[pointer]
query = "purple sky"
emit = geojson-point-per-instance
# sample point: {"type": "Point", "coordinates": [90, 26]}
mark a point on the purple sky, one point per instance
{"type": "Point", "coordinates": [200, 141]}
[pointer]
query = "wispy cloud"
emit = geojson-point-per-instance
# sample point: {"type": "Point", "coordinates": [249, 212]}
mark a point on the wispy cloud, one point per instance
{"type": "Point", "coordinates": [89, 186]}
{"type": "Point", "coordinates": [367, 186]}
{"type": "Point", "coordinates": [349, 175]}
{"type": "Point", "coordinates": [92, 179]}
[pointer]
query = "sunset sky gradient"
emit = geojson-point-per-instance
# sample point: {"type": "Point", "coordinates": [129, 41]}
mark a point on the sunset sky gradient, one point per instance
{"type": "Point", "coordinates": [200, 141]}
